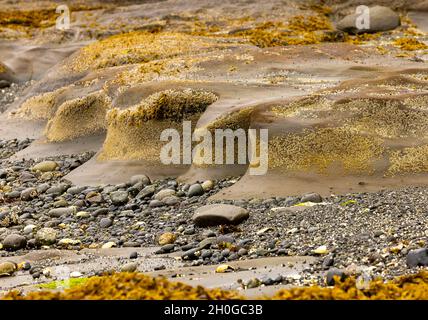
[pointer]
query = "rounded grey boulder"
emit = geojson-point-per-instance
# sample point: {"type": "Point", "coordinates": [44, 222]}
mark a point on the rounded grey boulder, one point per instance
{"type": "Point", "coordinates": [14, 242]}
{"type": "Point", "coordinates": [417, 258]}
{"type": "Point", "coordinates": [218, 214]}
{"type": "Point", "coordinates": [381, 19]}
{"type": "Point", "coordinates": [195, 190]}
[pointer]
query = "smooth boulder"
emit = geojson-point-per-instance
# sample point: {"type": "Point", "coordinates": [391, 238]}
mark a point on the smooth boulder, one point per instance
{"type": "Point", "coordinates": [417, 258]}
{"type": "Point", "coordinates": [45, 166]}
{"type": "Point", "coordinates": [218, 214]}
{"type": "Point", "coordinates": [14, 242]}
{"type": "Point", "coordinates": [381, 19]}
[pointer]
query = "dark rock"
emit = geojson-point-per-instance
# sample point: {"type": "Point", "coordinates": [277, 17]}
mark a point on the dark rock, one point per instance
{"type": "Point", "coordinates": [99, 212]}
{"type": "Point", "coordinates": [328, 261]}
{"type": "Point", "coordinates": [311, 197]}
{"type": "Point", "coordinates": [4, 84]}
{"type": "Point", "coordinates": [417, 258]}
{"type": "Point", "coordinates": [14, 242]}
{"type": "Point", "coordinates": [190, 254]}
{"type": "Point", "coordinates": [195, 190]}
{"type": "Point", "coordinates": [146, 192]}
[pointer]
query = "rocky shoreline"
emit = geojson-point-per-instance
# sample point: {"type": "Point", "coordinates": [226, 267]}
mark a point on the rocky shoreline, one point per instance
{"type": "Point", "coordinates": [368, 234]}
{"type": "Point", "coordinates": [329, 93]}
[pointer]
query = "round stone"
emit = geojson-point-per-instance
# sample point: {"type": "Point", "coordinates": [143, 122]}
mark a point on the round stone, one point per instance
{"type": "Point", "coordinates": [14, 242]}
{"type": "Point", "coordinates": [218, 214]}
{"type": "Point", "coordinates": [195, 190]}
{"type": "Point", "coordinates": [45, 166]}
{"type": "Point", "coordinates": [207, 185]}
{"type": "Point", "coordinates": [46, 236]}
{"type": "Point", "coordinates": [119, 197]}
{"type": "Point", "coordinates": [164, 193]}
{"type": "Point", "coordinates": [28, 229]}
{"type": "Point", "coordinates": [105, 222]}
{"type": "Point", "coordinates": [167, 238]}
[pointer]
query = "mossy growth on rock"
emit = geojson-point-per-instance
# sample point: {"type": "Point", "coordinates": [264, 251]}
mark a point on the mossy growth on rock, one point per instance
{"type": "Point", "coordinates": [134, 133]}
{"type": "Point", "coordinates": [299, 30]}
{"type": "Point", "coordinates": [79, 117]}
{"type": "Point", "coordinates": [409, 160]}
{"type": "Point", "coordinates": [42, 106]}
{"type": "Point", "coordinates": [317, 150]}
{"type": "Point", "coordinates": [139, 47]}
{"type": "Point", "coordinates": [28, 18]}
{"type": "Point", "coordinates": [174, 105]}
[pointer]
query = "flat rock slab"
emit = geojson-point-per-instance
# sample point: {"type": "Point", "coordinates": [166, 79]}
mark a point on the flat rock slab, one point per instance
{"type": "Point", "coordinates": [218, 214]}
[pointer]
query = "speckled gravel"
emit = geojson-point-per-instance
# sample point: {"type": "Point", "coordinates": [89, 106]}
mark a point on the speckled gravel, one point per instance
{"type": "Point", "coordinates": [10, 93]}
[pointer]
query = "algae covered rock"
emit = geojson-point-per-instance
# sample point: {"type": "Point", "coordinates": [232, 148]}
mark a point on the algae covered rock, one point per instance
{"type": "Point", "coordinates": [45, 166]}
{"type": "Point", "coordinates": [46, 236]}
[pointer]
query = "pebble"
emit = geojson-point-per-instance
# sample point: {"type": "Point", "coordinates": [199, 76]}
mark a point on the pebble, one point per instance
{"type": "Point", "coordinates": [311, 197]}
{"type": "Point", "coordinates": [7, 268]}
{"type": "Point", "coordinates": [141, 178]}
{"type": "Point", "coordinates": [156, 204]}
{"type": "Point", "coordinates": [207, 185]}
{"type": "Point", "coordinates": [59, 212]}
{"type": "Point", "coordinates": [146, 192]}
{"type": "Point", "coordinates": [195, 190]}
{"type": "Point", "coordinates": [108, 245]}
{"type": "Point", "coordinates": [167, 238]}
{"type": "Point", "coordinates": [119, 197]}
{"type": "Point", "coordinates": [46, 236]}
{"type": "Point", "coordinates": [164, 193]}
{"type": "Point", "coordinates": [83, 214]}
{"type": "Point", "coordinates": [29, 229]}
{"type": "Point", "coordinates": [28, 194]}
{"type": "Point", "coordinates": [129, 267]}
{"type": "Point", "coordinates": [68, 242]}
{"type": "Point", "coordinates": [45, 166]}
{"type": "Point", "coordinates": [76, 274]}
{"type": "Point", "coordinates": [106, 222]}
{"type": "Point", "coordinates": [332, 273]}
